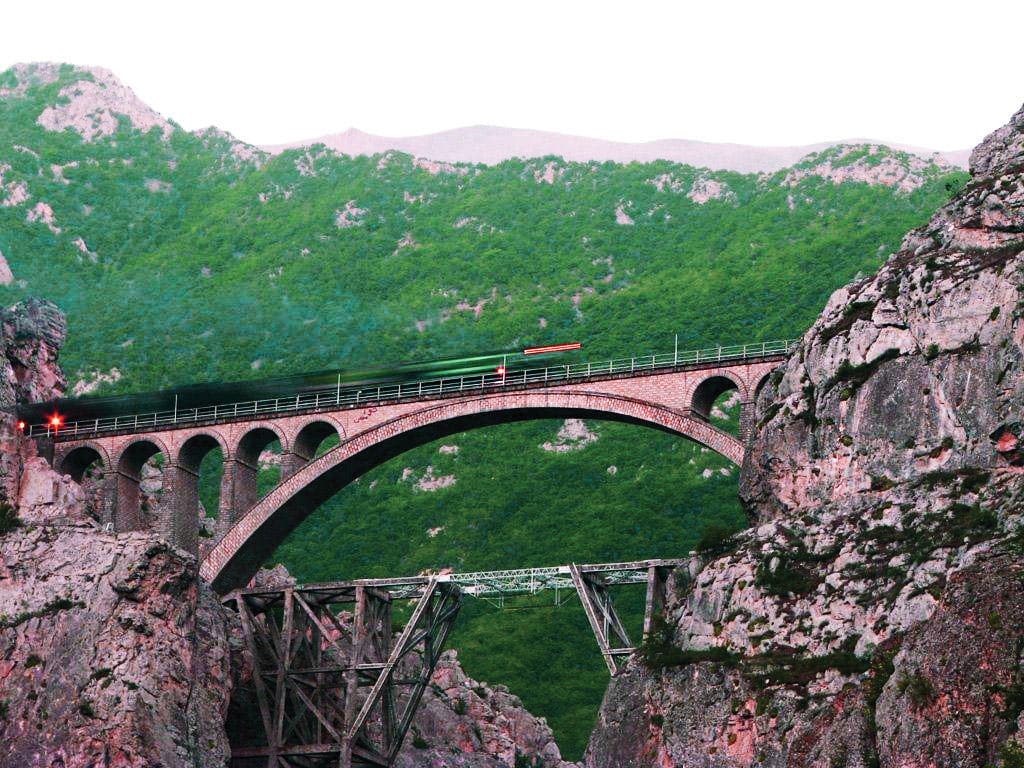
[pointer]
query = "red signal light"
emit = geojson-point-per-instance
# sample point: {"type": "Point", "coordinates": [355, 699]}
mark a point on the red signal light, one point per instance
{"type": "Point", "coordinates": [56, 420]}
{"type": "Point", "coordinates": [501, 370]}
{"type": "Point", "coordinates": [21, 426]}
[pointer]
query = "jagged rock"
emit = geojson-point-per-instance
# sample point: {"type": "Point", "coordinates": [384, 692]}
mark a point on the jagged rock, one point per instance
{"type": "Point", "coordinates": [111, 650]}
{"type": "Point", "coordinates": [873, 615]}
{"type": "Point", "coordinates": [32, 333]}
{"type": "Point", "coordinates": [466, 724]}
{"type": "Point", "coordinates": [957, 677]}
{"type": "Point", "coordinates": [111, 653]}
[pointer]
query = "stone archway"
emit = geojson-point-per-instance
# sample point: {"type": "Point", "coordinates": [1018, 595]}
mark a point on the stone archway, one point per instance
{"type": "Point", "coordinates": [243, 548]}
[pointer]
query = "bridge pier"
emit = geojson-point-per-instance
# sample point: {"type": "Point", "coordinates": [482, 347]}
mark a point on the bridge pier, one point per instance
{"type": "Point", "coordinates": [747, 424]}
{"type": "Point", "coordinates": [178, 511]}
{"type": "Point", "coordinates": [292, 462]}
{"type": "Point", "coordinates": [107, 498]}
{"type": "Point", "coordinates": [126, 504]}
{"type": "Point", "coordinates": [238, 492]}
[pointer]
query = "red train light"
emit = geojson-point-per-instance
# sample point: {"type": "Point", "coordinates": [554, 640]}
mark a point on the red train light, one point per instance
{"type": "Point", "coordinates": [553, 348]}
{"type": "Point", "coordinates": [501, 370]}
{"type": "Point", "coordinates": [21, 426]}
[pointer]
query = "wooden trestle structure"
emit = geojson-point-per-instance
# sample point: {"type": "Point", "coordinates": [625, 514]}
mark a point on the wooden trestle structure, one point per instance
{"type": "Point", "coordinates": [335, 686]}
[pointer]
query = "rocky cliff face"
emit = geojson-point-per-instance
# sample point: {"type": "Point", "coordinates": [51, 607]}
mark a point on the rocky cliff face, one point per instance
{"type": "Point", "coordinates": [873, 615]}
{"type": "Point", "coordinates": [32, 334]}
{"type": "Point", "coordinates": [463, 723]}
{"type": "Point", "coordinates": [111, 651]}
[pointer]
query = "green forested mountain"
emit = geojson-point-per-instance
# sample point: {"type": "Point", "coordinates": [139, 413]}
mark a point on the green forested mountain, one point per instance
{"type": "Point", "coordinates": [184, 257]}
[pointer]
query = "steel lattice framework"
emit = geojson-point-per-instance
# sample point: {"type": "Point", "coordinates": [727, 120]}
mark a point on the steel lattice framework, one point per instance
{"type": "Point", "coordinates": [336, 689]}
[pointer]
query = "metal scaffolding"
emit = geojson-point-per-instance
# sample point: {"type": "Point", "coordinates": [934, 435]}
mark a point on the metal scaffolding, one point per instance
{"type": "Point", "coordinates": [338, 694]}
{"type": "Point", "coordinates": [341, 689]}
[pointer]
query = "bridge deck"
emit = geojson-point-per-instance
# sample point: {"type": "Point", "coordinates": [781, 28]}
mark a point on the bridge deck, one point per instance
{"type": "Point", "coordinates": [335, 398]}
{"type": "Point", "coordinates": [521, 581]}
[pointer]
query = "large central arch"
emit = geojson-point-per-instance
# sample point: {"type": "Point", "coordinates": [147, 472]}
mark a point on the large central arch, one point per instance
{"type": "Point", "coordinates": [251, 540]}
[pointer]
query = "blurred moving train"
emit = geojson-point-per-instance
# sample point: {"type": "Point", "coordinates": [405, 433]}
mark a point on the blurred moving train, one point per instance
{"type": "Point", "coordinates": [66, 410]}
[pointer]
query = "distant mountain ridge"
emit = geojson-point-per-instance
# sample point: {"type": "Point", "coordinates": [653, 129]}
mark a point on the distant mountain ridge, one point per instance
{"type": "Point", "coordinates": [489, 145]}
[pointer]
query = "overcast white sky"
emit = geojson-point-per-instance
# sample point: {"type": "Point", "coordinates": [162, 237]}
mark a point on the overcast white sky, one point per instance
{"type": "Point", "coordinates": [935, 74]}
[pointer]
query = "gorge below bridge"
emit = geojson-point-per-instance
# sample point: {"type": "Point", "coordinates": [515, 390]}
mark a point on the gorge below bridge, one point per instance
{"type": "Point", "coordinates": [674, 392]}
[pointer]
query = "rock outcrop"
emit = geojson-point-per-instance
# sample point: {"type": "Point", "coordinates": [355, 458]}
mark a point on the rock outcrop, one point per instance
{"type": "Point", "coordinates": [462, 723]}
{"type": "Point", "coordinates": [873, 615]}
{"type": "Point", "coordinates": [31, 335]}
{"type": "Point", "coordinates": [111, 650]}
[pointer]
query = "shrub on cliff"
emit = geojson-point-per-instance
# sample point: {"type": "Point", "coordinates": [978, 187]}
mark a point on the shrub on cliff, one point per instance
{"type": "Point", "coordinates": [8, 518]}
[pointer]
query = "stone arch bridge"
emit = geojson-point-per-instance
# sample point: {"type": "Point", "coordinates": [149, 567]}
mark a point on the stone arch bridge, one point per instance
{"type": "Point", "coordinates": [673, 393]}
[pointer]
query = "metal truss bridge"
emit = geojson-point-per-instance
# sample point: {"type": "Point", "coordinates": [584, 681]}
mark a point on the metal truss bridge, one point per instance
{"type": "Point", "coordinates": [336, 685]}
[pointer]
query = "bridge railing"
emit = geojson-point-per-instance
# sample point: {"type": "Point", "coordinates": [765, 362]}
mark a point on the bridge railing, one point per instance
{"type": "Point", "coordinates": [336, 397]}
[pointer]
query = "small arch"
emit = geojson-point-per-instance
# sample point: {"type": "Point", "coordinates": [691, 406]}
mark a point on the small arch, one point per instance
{"type": "Point", "coordinates": [708, 391]}
{"type": "Point", "coordinates": [200, 465]}
{"type": "Point", "coordinates": [243, 483]}
{"type": "Point", "coordinates": [312, 435]}
{"type": "Point", "coordinates": [255, 441]}
{"type": "Point", "coordinates": [82, 459]}
{"type": "Point", "coordinates": [194, 450]}
{"type": "Point", "coordinates": [129, 513]}
{"type": "Point", "coordinates": [134, 456]}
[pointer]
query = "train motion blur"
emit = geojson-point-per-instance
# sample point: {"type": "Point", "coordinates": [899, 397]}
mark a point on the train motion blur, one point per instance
{"type": "Point", "coordinates": [58, 412]}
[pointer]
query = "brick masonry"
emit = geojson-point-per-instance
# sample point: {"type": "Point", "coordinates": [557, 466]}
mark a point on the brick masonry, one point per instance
{"type": "Point", "coordinates": [675, 401]}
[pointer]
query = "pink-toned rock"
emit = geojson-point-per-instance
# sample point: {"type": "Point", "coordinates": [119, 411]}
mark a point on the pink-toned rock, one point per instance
{"type": "Point", "coordinates": [706, 188]}
{"type": "Point", "coordinates": [6, 275]}
{"type": "Point", "coordinates": [42, 212]}
{"type": "Point", "coordinates": [573, 435]}
{"type": "Point", "coordinates": [112, 653]}
{"type": "Point", "coordinates": [881, 167]}
{"type": "Point", "coordinates": [13, 192]}
{"type": "Point", "coordinates": [31, 334]}
{"type": "Point", "coordinates": [349, 216]}
{"type": "Point", "coordinates": [621, 217]}
{"type": "Point", "coordinates": [873, 613]}
{"type": "Point", "coordinates": [93, 106]}
{"type": "Point", "coordinates": [463, 723]}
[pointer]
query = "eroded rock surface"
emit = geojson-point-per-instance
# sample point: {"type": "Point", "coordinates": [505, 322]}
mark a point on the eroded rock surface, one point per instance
{"type": "Point", "coordinates": [873, 615]}
{"type": "Point", "coordinates": [463, 723]}
{"type": "Point", "coordinates": [111, 651]}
